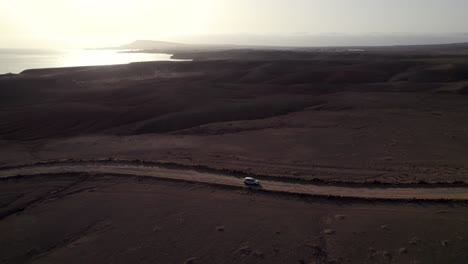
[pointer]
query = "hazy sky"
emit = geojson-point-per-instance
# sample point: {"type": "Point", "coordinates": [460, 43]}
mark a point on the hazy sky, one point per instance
{"type": "Point", "coordinates": [92, 23]}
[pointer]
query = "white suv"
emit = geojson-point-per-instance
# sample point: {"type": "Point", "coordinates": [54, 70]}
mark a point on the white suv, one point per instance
{"type": "Point", "coordinates": [251, 181]}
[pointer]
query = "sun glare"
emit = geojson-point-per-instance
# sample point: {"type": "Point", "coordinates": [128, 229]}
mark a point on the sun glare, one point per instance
{"type": "Point", "coordinates": [105, 7]}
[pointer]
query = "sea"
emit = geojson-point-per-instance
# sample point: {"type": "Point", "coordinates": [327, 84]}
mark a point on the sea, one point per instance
{"type": "Point", "coordinates": [18, 60]}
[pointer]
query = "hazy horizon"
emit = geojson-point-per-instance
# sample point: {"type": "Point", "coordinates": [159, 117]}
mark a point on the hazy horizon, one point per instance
{"type": "Point", "coordinates": [88, 23]}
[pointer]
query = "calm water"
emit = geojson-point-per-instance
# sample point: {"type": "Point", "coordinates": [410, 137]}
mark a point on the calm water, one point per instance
{"type": "Point", "coordinates": [18, 60]}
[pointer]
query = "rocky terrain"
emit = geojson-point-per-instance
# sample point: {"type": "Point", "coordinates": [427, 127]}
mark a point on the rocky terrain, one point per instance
{"type": "Point", "coordinates": [362, 155]}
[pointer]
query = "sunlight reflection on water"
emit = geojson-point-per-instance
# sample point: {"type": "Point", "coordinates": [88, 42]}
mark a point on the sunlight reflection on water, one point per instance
{"type": "Point", "coordinates": [16, 60]}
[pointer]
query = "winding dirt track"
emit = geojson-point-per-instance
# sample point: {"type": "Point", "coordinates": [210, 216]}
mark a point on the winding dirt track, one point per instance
{"type": "Point", "coordinates": [184, 174]}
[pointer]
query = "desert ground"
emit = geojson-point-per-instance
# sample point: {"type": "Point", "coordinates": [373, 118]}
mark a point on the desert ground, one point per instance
{"type": "Point", "coordinates": [362, 156]}
{"type": "Point", "coordinates": [108, 219]}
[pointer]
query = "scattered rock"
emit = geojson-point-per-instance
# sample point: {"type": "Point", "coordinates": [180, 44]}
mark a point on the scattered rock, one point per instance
{"type": "Point", "coordinates": [33, 251]}
{"type": "Point", "coordinates": [278, 232]}
{"type": "Point", "coordinates": [387, 254]}
{"type": "Point", "coordinates": [384, 227]}
{"type": "Point", "coordinates": [415, 241]}
{"type": "Point", "coordinates": [190, 260]}
{"type": "Point", "coordinates": [403, 250]}
{"type": "Point", "coordinates": [371, 255]}
{"type": "Point", "coordinates": [157, 228]}
{"type": "Point", "coordinates": [340, 217]}
{"type": "Point", "coordinates": [319, 253]}
{"type": "Point", "coordinates": [245, 250]}
{"type": "Point", "coordinates": [329, 231]}
{"type": "Point", "coordinates": [444, 243]}
{"type": "Point", "coordinates": [259, 254]}
{"type": "Point", "coordinates": [276, 250]}
{"type": "Point", "coordinates": [220, 228]}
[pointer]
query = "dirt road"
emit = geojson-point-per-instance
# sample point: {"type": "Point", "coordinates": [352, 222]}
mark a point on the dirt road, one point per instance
{"type": "Point", "coordinates": [186, 174]}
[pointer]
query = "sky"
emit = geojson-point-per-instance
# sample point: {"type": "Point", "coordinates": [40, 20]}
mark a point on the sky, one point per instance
{"type": "Point", "coordinates": [98, 23]}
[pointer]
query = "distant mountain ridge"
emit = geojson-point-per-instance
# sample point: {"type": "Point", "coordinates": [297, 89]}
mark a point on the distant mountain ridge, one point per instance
{"type": "Point", "coordinates": [151, 44]}
{"type": "Point", "coordinates": [166, 46]}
